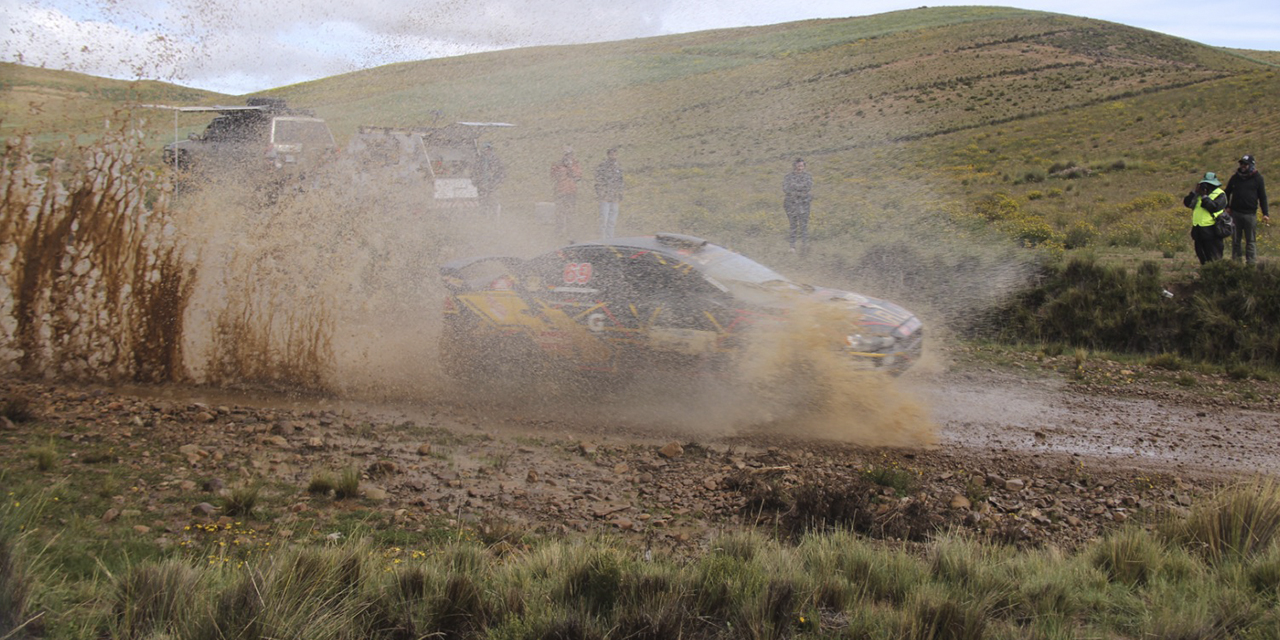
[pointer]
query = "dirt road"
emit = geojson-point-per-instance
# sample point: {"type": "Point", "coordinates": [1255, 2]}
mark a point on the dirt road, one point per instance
{"type": "Point", "coordinates": [1022, 453]}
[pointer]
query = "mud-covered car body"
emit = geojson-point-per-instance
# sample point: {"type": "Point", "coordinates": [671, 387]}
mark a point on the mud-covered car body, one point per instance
{"type": "Point", "coordinates": [637, 302]}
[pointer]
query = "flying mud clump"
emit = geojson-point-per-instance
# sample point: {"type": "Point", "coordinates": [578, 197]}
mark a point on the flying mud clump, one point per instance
{"type": "Point", "coordinates": [804, 387]}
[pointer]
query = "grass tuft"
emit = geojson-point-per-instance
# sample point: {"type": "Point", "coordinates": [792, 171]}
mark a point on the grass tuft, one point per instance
{"type": "Point", "coordinates": [348, 485]}
{"type": "Point", "coordinates": [242, 500]}
{"type": "Point", "coordinates": [1130, 557]}
{"type": "Point", "coordinates": [1239, 523]}
{"type": "Point", "coordinates": [323, 483]}
{"type": "Point", "coordinates": [46, 457]}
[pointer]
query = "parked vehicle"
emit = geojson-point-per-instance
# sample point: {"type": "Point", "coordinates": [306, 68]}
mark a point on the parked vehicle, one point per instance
{"type": "Point", "coordinates": [265, 135]}
{"type": "Point", "coordinates": [439, 161]}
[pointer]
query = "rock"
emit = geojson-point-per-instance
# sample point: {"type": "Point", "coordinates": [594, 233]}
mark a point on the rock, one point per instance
{"type": "Point", "coordinates": [204, 416]}
{"type": "Point", "coordinates": [1183, 500]}
{"type": "Point", "coordinates": [193, 452]}
{"type": "Point", "coordinates": [142, 529]}
{"type": "Point", "coordinates": [275, 441]}
{"type": "Point", "coordinates": [994, 480]}
{"type": "Point", "coordinates": [1119, 516]}
{"type": "Point", "coordinates": [130, 513]}
{"type": "Point", "coordinates": [532, 476]}
{"type": "Point", "coordinates": [204, 509]}
{"type": "Point", "coordinates": [1014, 484]}
{"type": "Point", "coordinates": [711, 483]}
{"type": "Point", "coordinates": [960, 502]}
{"type": "Point", "coordinates": [375, 493]}
{"type": "Point", "coordinates": [111, 515]}
{"type": "Point", "coordinates": [624, 524]}
{"type": "Point", "coordinates": [671, 450]}
{"type": "Point", "coordinates": [214, 485]}
{"type": "Point", "coordinates": [621, 468]}
{"type": "Point", "coordinates": [187, 485]}
{"type": "Point", "coordinates": [586, 448]}
{"type": "Point", "coordinates": [424, 449]}
{"type": "Point", "coordinates": [1072, 521]}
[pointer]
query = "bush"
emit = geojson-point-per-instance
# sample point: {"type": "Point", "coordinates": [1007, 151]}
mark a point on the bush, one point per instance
{"type": "Point", "coordinates": [1230, 315]}
{"type": "Point", "coordinates": [1079, 235]}
{"type": "Point", "coordinates": [1167, 361]}
{"type": "Point", "coordinates": [18, 408]}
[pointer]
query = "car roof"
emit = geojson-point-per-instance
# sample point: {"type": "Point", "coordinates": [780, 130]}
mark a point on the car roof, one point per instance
{"type": "Point", "coordinates": [671, 244]}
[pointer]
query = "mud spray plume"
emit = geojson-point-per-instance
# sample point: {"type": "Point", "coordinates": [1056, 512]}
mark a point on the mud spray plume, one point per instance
{"type": "Point", "coordinates": [94, 285]}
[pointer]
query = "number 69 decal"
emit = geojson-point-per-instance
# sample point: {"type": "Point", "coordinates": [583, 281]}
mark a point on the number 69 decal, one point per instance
{"type": "Point", "coordinates": [577, 272]}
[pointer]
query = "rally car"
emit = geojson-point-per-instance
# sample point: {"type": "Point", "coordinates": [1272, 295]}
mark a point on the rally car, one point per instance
{"type": "Point", "coordinates": [627, 304]}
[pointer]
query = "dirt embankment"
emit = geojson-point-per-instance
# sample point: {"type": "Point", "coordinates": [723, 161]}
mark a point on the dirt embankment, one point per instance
{"type": "Point", "coordinates": [1021, 457]}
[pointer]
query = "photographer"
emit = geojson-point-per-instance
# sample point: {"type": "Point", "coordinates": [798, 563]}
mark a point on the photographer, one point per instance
{"type": "Point", "coordinates": [1205, 202]}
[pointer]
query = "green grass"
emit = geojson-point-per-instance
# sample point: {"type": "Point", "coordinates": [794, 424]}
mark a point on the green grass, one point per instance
{"type": "Point", "coordinates": [1132, 583]}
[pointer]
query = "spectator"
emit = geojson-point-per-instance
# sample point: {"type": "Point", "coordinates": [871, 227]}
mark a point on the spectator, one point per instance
{"type": "Point", "coordinates": [1206, 202]}
{"type": "Point", "coordinates": [565, 175]}
{"type": "Point", "coordinates": [609, 192]}
{"type": "Point", "coordinates": [797, 190]}
{"type": "Point", "coordinates": [1245, 194]}
{"type": "Point", "coordinates": [487, 176]}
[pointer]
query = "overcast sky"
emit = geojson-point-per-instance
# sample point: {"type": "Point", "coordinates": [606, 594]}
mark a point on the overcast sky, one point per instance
{"type": "Point", "coordinates": [242, 46]}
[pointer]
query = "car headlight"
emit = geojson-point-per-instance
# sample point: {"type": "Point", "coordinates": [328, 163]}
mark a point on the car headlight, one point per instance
{"type": "Point", "coordinates": [859, 342]}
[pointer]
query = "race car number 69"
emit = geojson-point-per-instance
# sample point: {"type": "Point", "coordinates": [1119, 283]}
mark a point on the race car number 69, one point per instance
{"type": "Point", "coordinates": [577, 273]}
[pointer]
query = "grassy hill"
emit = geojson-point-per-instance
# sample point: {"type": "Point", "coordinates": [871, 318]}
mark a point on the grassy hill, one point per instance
{"type": "Point", "coordinates": [933, 123]}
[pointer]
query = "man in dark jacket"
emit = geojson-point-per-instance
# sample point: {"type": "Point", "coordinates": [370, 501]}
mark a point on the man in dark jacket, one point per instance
{"type": "Point", "coordinates": [487, 175]}
{"type": "Point", "coordinates": [1245, 194]}
{"type": "Point", "coordinates": [609, 185]}
{"type": "Point", "coordinates": [797, 190]}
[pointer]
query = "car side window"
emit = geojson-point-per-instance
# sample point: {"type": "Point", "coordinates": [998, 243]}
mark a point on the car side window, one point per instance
{"type": "Point", "coordinates": [591, 271]}
{"type": "Point", "coordinates": [679, 291]}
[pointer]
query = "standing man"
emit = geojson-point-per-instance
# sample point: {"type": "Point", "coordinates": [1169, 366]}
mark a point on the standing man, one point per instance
{"type": "Point", "coordinates": [1245, 193]}
{"type": "Point", "coordinates": [797, 190]}
{"type": "Point", "coordinates": [565, 175]}
{"type": "Point", "coordinates": [488, 174]}
{"type": "Point", "coordinates": [1206, 202]}
{"type": "Point", "coordinates": [609, 192]}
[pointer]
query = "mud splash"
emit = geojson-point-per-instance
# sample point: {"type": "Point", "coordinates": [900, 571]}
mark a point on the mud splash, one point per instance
{"type": "Point", "coordinates": [331, 285]}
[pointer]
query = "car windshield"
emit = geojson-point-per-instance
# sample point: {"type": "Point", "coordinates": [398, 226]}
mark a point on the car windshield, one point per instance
{"type": "Point", "coordinates": [731, 268]}
{"type": "Point", "coordinates": [308, 132]}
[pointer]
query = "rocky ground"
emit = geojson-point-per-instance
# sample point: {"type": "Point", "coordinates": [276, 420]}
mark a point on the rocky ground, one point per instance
{"type": "Point", "coordinates": [1030, 450]}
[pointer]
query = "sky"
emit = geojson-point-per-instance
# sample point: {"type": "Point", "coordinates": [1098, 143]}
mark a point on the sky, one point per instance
{"type": "Point", "coordinates": [243, 46]}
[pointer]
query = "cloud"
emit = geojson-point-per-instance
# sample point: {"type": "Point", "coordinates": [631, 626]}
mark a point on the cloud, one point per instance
{"type": "Point", "coordinates": [239, 46]}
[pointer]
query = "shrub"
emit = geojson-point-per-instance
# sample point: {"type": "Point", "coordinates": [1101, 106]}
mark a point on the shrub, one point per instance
{"type": "Point", "coordinates": [18, 408]}
{"type": "Point", "coordinates": [1079, 235]}
{"type": "Point", "coordinates": [1167, 361]}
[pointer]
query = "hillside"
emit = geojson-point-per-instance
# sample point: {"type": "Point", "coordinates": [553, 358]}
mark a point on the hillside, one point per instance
{"type": "Point", "coordinates": [54, 104]}
{"type": "Point", "coordinates": [906, 118]}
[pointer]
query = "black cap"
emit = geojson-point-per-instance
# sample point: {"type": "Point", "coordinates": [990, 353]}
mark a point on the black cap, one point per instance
{"type": "Point", "coordinates": [1246, 159]}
